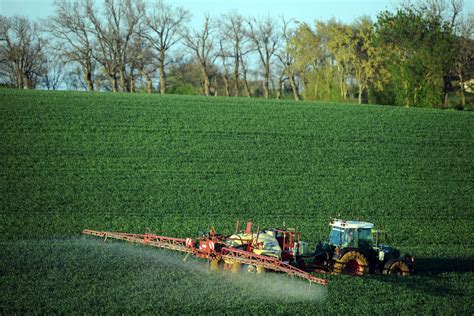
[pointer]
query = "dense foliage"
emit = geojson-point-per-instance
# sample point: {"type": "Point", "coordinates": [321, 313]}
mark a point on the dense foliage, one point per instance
{"type": "Point", "coordinates": [177, 164]}
{"type": "Point", "coordinates": [407, 58]}
{"type": "Point", "coordinates": [419, 51]}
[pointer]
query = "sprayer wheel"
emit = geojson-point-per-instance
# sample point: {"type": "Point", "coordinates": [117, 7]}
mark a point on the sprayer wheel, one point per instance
{"type": "Point", "coordinates": [215, 264]}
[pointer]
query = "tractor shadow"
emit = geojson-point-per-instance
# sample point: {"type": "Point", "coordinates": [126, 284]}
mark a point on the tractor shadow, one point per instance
{"type": "Point", "coordinates": [436, 266]}
{"type": "Point", "coordinates": [430, 278]}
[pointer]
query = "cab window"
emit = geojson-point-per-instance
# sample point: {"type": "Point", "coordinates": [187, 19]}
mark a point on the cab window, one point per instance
{"type": "Point", "coordinates": [350, 238]}
{"type": "Point", "coordinates": [365, 237]}
{"type": "Point", "coordinates": [336, 236]}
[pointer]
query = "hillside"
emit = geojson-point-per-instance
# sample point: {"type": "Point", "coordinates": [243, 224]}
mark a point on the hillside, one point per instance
{"type": "Point", "coordinates": [179, 164]}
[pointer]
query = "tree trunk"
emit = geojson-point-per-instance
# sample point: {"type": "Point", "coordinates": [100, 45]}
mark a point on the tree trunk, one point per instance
{"type": "Point", "coordinates": [123, 85]}
{"type": "Point", "coordinates": [266, 87]}
{"type": "Point", "coordinates": [247, 88]}
{"type": "Point", "coordinates": [294, 88]}
{"type": "Point", "coordinates": [266, 82]}
{"type": "Point", "coordinates": [415, 97]}
{"type": "Point", "coordinates": [162, 73]}
{"type": "Point", "coordinates": [88, 80]}
{"type": "Point", "coordinates": [341, 81]}
{"type": "Point", "coordinates": [113, 82]}
{"type": "Point", "coordinates": [162, 80]}
{"type": "Point", "coordinates": [87, 70]}
{"type": "Point", "coordinates": [205, 80]}
{"type": "Point", "coordinates": [343, 89]}
{"type": "Point", "coordinates": [131, 84]}
{"type": "Point", "coordinates": [360, 93]}
{"type": "Point", "coordinates": [226, 85]}
{"type": "Point", "coordinates": [225, 77]}
{"type": "Point", "coordinates": [28, 82]}
{"type": "Point", "coordinates": [405, 86]}
{"type": "Point", "coordinates": [149, 84]}
{"type": "Point", "coordinates": [207, 85]}
{"type": "Point", "coordinates": [445, 100]}
{"type": "Point", "coordinates": [461, 91]}
{"type": "Point", "coordinates": [19, 77]}
{"type": "Point", "coordinates": [280, 88]}
{"type": "Point", "coordinates": [405, 90]}
{"type": "Point", "coordinates": [446, 88]}
{"type": "Point", "coordinates": [304, 82]}
{"type": "Point", "coordinates": [246, 83]}
{"type": "Point", "coordinates": [236, 77]}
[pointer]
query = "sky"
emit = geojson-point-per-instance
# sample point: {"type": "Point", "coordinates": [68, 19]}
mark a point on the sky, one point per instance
{"type": "Point", "coordinates": [301, 10]}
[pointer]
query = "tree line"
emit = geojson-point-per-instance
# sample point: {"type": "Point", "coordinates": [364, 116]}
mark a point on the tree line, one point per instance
{"type": "Point", "coordinates": [417, 55]}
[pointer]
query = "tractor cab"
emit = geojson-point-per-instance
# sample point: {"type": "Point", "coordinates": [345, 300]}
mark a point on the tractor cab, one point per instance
{"type": "Point", "coordinates": [351, 234]}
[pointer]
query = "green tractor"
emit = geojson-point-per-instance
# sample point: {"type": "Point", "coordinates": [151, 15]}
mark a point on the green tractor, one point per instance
{"type": "Point", "coordinates": [355, 247]}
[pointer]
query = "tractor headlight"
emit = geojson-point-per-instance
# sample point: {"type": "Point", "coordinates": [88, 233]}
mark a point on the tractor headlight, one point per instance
{"type": "Point", "coordinates": [381, 255]}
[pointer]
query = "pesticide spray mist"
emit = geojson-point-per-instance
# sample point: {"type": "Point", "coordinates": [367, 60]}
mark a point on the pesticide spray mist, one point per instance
{"type": "Point", "coordinates": [119, 277]}
{"type": "Point", "coordinates": [266, 286]}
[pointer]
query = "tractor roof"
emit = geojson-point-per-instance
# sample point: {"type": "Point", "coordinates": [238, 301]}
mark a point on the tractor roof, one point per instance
{"type": "Point", "coordinates": [350, 224]}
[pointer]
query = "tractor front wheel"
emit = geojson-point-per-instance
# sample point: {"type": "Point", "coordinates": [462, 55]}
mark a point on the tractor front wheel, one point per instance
{"type": "Point", "coordinates": [352, 262]}
{"type": "Point", "coordinates": [396, 267]}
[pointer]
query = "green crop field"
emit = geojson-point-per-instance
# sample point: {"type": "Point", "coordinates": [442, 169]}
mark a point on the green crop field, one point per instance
{"type": "Point", "coordinates": [175, 165]}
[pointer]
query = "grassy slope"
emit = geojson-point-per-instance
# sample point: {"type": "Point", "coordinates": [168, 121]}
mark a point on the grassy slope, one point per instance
{"type": "Point", "coordinates": [179, 164]}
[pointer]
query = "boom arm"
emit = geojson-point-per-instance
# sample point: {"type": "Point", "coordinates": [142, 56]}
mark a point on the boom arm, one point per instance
{"type": "Point", "coordinates": [177, 244]}
{"type": "Point", "coordinates": [247, 257]}
{"type": "Point", "coordinates": [188, 245]}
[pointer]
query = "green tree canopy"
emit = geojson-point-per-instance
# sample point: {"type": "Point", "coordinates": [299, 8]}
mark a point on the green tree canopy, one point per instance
{"type": "Point", "coordinates": [418, 53]}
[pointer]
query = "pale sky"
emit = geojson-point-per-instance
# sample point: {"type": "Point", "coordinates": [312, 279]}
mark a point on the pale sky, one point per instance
{"type": "Point", "coordinates": [302, 10]}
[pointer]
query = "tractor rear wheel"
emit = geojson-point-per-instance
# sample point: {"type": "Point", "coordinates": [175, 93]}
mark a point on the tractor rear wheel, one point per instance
{"type": "Point", "coordinates": [396, 267]}
{"type": "Point", "coordinates": [352, 262]}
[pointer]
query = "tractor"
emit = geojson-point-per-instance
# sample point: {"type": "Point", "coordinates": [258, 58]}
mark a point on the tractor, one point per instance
{"type": "Point", "coordinates": [353, 247]}
{"type": "Point", "coordinates": [356, 248]}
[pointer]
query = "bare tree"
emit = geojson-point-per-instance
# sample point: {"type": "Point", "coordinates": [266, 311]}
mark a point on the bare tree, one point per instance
{"type": "Point", "coordinates": [7, 74]}
{"type": "Point", "coordinates": [201, 45]}
{"type": "Point", "coordinates": [449, 10]}
{"type": "Point", "coordinates": [104, 52]}
{"type": "Point", "coordinates": [165, 25]}
{"type": "Point", "coordinates": [243, 63]}
{"type": "Point", "coordinates": [73, 41]}
{"type": "Point", "coordinates": [286, 57]}
{"type": "Point", "coordinates": [21, 46]}
{"type": "Point", "coordinates": [142, 62]}
{"type": "Point", "coordinates": [114, 36]}
{"type": "Point", "coordinates": [52, 73]}
{"type": "Point", "coordinates": [234, 32]}
{"type": "Point", "coordinates": [280, 79]}
{"type": "Point", "coordinates": [264, 37]}
{"type": "Point", "coordinates": [75, 80]}
{"type": "Point", "coordinates": [224, 55]}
